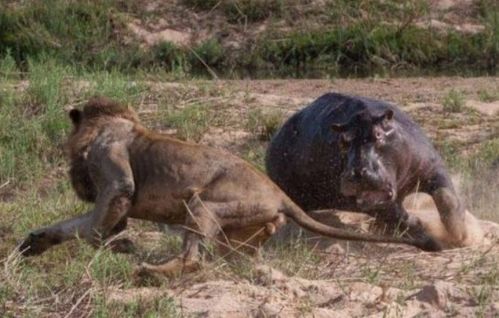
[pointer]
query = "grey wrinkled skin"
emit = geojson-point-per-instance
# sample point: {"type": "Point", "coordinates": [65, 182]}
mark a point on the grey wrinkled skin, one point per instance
{"type": "Point", "coordinates": [362, 155]}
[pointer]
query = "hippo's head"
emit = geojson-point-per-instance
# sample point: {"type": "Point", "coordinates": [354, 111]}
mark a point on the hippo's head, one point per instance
{"type": "Point", "coordinates": [367, 142]}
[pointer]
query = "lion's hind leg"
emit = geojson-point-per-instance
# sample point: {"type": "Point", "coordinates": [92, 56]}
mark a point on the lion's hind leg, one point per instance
{"type": "Point", "coordinates": [200, 224]}
{"type": "Point", "coordinates": [248, 240]}
{"type": "Point", "coordinates": [186, 262]}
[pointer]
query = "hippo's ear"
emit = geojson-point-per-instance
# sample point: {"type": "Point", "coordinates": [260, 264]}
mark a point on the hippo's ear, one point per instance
{"type": "Point", "coordinates": [339, 127]}
{"type": "Point", "coordinates": [388, 115]}
{"type": "Point", "coordinates": [75, 116]}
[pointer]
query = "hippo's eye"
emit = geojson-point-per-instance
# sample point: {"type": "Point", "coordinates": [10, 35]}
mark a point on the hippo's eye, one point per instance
{"type": "Point", "coordinates": [344, 142]}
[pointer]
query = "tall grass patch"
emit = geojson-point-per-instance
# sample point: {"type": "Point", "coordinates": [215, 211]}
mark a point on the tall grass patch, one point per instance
{"type": "Point", "coordinates": [161, 307]}
{"type": "Point", "coordinates": [94, 35]}
{"type": "Point", "coordinates": [8, 68]}
{"type": "Point", "coordinates": [478, 176]}
{"type": "Point", "coordinates": [254, 153]}
{"type": "Point", "coordinates": [243, 11]}
{"type": "Point", "coordinates": [366, 47]}
{"type": "Point", "coordinates": [191, 122]}
{"type": "Point", "coordinates": [264, 124]}
{"type": "Point", "coordinates": [202, 4]}
{"type": "Point", "coordinates": [454, 101]}
{"type": "Point", "coordinates": [113, 84]}
{"type": "Point", "coordinates": [208, 54]}
{"type": "Point", "coordinates": [82, 32]}
{"type": "Point", "coordinates": [169, 57]}
{"type": "Point", "coordinates": [32, 122]}
{"type": "Point", "coordinates": [295, 256]}
{"type": "Point", "coordinates": [109, 268]}
{"type": "Point", "coordinates": [487, 96]}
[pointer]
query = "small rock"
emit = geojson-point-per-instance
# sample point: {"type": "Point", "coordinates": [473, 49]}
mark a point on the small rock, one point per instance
{"type": "Point", "coordinates": [365, 293]}
{"type": "Point", "coordinates": [323, 313]}
{"type": "Point", "coordinates": [335, 249]}
{"type": "Point", "coordinates": [438, 294]}
{"type": "Point", "coordinates": [494, 309]}
{"type": "Point", "coordinates": [269, 310]}
{"type": "Point", "coordinates": [269, 276]}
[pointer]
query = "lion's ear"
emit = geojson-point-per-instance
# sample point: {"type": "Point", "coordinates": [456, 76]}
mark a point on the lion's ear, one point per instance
{"type": "Point", "coordinates": [75, 116]}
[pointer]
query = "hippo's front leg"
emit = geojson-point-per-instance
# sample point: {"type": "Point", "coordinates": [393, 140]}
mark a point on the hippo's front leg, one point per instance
{"type": "Point", "coordinates": [450, 208]}
{"type": "Point", "coordinates": [397, 221]}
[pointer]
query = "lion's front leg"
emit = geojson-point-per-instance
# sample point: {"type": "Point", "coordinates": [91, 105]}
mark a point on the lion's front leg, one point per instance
{"type": "Point", "coordinates": [114, 179]}
{"type": "Point", "coordinates": [42, 239]}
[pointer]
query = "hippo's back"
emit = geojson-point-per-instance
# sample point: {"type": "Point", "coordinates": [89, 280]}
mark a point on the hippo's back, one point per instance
{"type": "Point", "coordinates": [303, 157]}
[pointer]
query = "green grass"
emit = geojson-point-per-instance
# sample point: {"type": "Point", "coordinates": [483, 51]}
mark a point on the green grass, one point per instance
{"type": "Point", "coordinates": [454, 101]}
{"type": "Point", "coordinates": [478, 172]}
{"type": "Point", "coordinates": [94, 35]}
{"type": "Point", "coordinates": [487, 153]}
{"type": "Point", "coordinates": [33, 123]}
{"type": "Point", "coordinates": [244, 11]}
{"type": "Point", "coordinates": [8, 67]}
{"type": "Point", "coordinates": [81, 32]}
{"type": "Point", "coordinates": [202, 4]}
{"type": "Point", "coordinates": [67, 271]}
{"type": "Point", "coordinates": [113, 84]}
{"type": "Point", "coordinates": [209, 54]}
{"type": "Point", "coordinates": [480, 175]}
{"type": "Point", "coordinates": [108, 268]}
{"type": "Point", "coordinates": [295, 256]}
{"type": "Point", "coordinates": [170, 58]}
{"type": "Point", "coordinates": [190, 122]}
{"type": "Point", "coordinates": [263, 124]}
{"type": "Point", "coordinates": [254, 153]}
{"type": "Point", "coordinates": [366, 48]}
{"type": "Point", "coordinates": [163, 307]}
{"type": "Point", "coordinates": [487, 96]}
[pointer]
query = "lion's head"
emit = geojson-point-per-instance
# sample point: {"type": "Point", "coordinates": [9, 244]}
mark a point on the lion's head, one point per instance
{"type": "Point", "coordinates": [87, 123]}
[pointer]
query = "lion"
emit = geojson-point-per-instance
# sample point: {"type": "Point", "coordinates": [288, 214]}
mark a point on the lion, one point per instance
{"type": "Point", "coordinates": [129, 171]}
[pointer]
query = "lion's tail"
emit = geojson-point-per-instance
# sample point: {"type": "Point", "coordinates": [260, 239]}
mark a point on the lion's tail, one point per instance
{"type": "Point", "coordinates": [299, 216]}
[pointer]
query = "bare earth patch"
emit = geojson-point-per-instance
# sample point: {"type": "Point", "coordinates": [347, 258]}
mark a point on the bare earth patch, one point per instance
{"type": "Point", "coordinates": [356, 280]}
{"type": "Point", "coordinates": [491, 108]}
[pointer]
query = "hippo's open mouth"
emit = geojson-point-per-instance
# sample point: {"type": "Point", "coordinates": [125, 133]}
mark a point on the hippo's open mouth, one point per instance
{"type": "Point", "coordinates": [372, 199]}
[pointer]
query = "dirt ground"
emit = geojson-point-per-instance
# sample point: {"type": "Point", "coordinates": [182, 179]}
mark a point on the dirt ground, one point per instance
{"type": "Point", "coordinates": [351, 279]}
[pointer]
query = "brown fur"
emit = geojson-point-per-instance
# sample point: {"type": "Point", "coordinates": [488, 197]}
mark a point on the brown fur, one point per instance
{"type": "Point", "coordinates": [130, 171]}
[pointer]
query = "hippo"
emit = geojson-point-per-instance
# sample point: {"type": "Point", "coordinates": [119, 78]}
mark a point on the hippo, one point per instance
{"type": "Point", "coordinates": [363, 155]}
